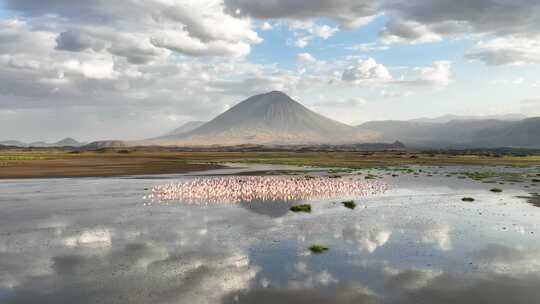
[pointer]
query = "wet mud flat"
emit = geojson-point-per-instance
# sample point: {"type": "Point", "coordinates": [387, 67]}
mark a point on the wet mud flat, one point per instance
{"type": "Point", "coordinates": [92, 240]}
{"type": "Point", "coordinates": [98, 167]}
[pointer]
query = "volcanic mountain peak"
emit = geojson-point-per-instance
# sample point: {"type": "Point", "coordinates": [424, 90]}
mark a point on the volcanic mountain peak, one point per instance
{"type": "Point", "coordinates": [270, 118]}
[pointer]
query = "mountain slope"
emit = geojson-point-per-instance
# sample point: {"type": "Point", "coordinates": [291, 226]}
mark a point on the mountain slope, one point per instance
{"type": "Point", "coordinates": [187, 127]}
{"type": "Point", "coordinates": [524, 133]}
{"type": "Point", "coordinates": [271, 118]}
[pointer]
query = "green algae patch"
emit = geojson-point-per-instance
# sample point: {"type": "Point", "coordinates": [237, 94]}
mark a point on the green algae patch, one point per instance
{"type": "Point", "coordinates": [318, 249]}
{"type": "Point", "coordinates": [349, 204]}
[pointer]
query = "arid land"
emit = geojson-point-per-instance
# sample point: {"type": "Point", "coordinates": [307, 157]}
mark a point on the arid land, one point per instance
{"type": "Point", "coordinates": [45, 163]}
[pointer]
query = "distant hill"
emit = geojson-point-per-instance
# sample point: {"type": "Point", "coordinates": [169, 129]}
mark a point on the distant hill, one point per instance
{"type": "Point", "coordinates": [459, 133]}
{"type": "Point", "coordinates": [450, 117]}
{"type": "Point", "coordinates": [102, 144]}
{"type": "Point", "coordinates": [40, 144]}
{"type": "Point", "coordinates": [66, 142]}
{"type": "Point", "coordinates": [271, 119]}
{"type": "Point", "coordinates": [14, 143]}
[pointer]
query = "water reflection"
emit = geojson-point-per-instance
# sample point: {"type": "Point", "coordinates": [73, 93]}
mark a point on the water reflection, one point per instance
{"type": "Point", "coordinates": [269, 208]}
{"type": "Point", "coordinates": [366, 240]}
{"type": "Point", "coordinates": [136, 273]}
{"type": "Point", "coordinates": [409, 287]}
{"type": "Point", "coordinates": [94, 241]}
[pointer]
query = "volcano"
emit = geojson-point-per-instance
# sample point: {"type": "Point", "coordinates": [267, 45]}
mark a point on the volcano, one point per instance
{"type": "Point", "coordinates": [267, 119]}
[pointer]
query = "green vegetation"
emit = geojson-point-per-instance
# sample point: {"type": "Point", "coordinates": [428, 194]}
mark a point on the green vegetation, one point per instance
{"type": "Point", "coordinates": [370, 176]}
{"type": "Point", "coordinates": [318, 248]}
{"type": "Point", "coordinates": [535, 180]}
{"type": "Point", "coordinates": [487, 174]}
{"type": "Point", "coordinates": [496, 190]}
{"type": "Point", "coordinates": [533, 199]}
{"type": "Point", "coordinates": [23, 157]}
{"type": "Point", "coordinates": [349, 204]}
{"type": "Point", "coordinates": [301, 208]}
{"type": "Point", "coordinates": [340, 170]}
{"type": "Point", "coordinates": [468, 199]}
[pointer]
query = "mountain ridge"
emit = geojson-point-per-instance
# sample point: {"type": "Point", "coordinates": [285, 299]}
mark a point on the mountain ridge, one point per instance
{"type": "Point", "coordinates": [459, 133]}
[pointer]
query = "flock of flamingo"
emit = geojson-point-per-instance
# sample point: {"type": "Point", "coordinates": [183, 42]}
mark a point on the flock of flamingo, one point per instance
{"type": "Point", "coordinates": [237, 189]}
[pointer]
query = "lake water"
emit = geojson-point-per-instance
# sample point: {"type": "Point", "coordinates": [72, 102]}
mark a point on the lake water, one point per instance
{"type": "Point", "coordinates": [99, 240]}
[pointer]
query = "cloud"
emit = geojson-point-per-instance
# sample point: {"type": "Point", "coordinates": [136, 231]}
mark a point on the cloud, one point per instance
{"type": "Point", "coordinates": [480, 16]}
{"type": "Point", "coordinates": [195, 28]}
{"type": "Point", "coordinates": [516, 81]}
{"type": "Point", "coordinates": [368, 47]}
{"type": "Point", "coordinates": [395, 94]}
{"type": "Point", "coordinates": [76, 41]}
{"type": "Point", "coordinates": [407, 31]}
{"type": "Point", "coordinates": [438, 75]}
{"type": "Point", "coordinates": [305, 31]}
{"type": "Point", "coordinates": [513, 24]}
{"type": "Point", "coordinates": [412, 21]}
{"type": "Point", "coordinates": [511, 50]}
{"type": "Point", "coordinates": [305, 58]}
{"type": "Point", "coordinates": [370, 73]}
{"type": "Point", "coordinates": [347, 104]}
{"type": "Point", "coordinates": [266, 26]}
{"type": "Point", "coordinates": [349, 13]}
{"type": "Point", "coordinates": [366, 72]}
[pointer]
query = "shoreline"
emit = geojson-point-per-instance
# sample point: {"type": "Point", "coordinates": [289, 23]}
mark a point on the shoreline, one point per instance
{"type": "Point", "coordinates": [62, 164]}
{"type": "Point", "coordinates": [95, 167]}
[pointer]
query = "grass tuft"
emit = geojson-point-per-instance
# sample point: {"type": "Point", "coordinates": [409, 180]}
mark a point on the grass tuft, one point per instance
{"type": "Point", "coordinates": [468, 199]}
{"type": "Point", "coordinates": [301, 208]}
{"type": "Point", "coordinates": [496, 190]}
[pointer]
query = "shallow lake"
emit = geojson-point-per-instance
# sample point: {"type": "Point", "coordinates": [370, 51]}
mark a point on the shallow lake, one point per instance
{"type": "Point", "coordinates": [101, 240]}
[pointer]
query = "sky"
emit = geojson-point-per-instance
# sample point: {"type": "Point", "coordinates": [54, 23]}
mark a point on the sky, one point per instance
{"type": "Point", "coordinates": [134, 69]}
